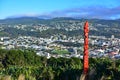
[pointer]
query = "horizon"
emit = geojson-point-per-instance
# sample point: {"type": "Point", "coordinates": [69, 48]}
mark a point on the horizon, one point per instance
{"type": "Point", "coordinates": [51, 9]}
{"type": "Point", "coordinates": [54, 18]}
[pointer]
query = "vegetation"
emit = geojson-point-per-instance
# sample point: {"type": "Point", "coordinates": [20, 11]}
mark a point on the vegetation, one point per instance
{"type": "Point", "coordinates": [60, 52]}
{"type": "Point", "coordinates": [26, 64]}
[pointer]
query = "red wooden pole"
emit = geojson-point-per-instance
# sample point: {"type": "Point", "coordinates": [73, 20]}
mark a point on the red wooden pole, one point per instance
{"type": "Point", "coordinates": [86, 41]}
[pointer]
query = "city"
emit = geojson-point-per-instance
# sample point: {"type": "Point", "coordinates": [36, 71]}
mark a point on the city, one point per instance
{"type": "Point", "coordinates": [59, 40]}
{"type": "Point", "coordinates": [100, 46]}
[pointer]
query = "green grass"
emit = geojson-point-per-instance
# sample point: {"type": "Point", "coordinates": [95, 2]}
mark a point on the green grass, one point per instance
{"type": "Point", "coordinates": [4, 34]}
{"type": "Point", "coordinates": [60, 52]}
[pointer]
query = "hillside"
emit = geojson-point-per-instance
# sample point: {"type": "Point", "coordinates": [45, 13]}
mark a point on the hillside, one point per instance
{"type": "Point", "coordinates": [33, 26]}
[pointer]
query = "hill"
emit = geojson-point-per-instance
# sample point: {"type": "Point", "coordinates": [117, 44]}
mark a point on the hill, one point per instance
{"type": "Point", "coordinates": [70, 26]}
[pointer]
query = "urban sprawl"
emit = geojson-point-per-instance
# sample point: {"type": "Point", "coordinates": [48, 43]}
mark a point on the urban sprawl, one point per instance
{"type": "Point", "coordinates": [99, 46]}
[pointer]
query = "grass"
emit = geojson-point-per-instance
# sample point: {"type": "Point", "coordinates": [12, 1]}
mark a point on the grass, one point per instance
{"type": "Point", "coordinates": [60, 52]}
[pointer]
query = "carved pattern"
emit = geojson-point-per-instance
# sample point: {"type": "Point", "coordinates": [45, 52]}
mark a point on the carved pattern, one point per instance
{"type": "Point", "coordinates": [86, 51]}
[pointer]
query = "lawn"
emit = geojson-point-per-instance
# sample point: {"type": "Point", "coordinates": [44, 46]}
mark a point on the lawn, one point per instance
{"type": "Point", "coordinates": [60, 52]}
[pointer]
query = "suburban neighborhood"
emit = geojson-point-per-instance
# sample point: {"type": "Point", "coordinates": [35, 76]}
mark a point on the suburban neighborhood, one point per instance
{"type": "Point", "coordinates": [99, 46]}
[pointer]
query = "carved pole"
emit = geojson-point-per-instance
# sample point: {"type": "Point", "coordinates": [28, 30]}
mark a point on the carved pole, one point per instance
{"type": "Point", "coordinates": [86, 51]}
{"type": "Point", "coordinates": [85, 57]}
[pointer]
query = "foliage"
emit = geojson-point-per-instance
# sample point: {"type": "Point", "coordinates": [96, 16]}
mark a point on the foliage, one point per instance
{"type": "Point", "coordinates": [33, 67]}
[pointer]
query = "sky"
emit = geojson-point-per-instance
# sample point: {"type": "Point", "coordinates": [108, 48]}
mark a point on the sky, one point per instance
{"type": "Point", "coordinates": [101, 9]}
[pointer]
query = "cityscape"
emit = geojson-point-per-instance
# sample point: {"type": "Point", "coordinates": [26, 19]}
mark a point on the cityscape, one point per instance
{"type": "Point", "coordinates": [99, 46]}
{"type": "Point", "coordinates": [27, 40]}
{"type": "Point", "coordinates": [61, 37]}
{"type": "Point", "coordinates": [59, 40]}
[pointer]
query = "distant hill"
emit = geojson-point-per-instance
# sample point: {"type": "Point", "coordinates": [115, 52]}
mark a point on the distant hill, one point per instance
{"type": "Point", "coordinates": [37, 19]}
{"type": "Point", "coordinates": [21, 20]}
{"type": "Point", "coordinates": [99, 27]}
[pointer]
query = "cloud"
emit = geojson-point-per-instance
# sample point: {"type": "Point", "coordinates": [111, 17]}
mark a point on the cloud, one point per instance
{"type": "Point", "coordinates": [90, 12]}
{"type": "Point", "coordinates": [87, 12]}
